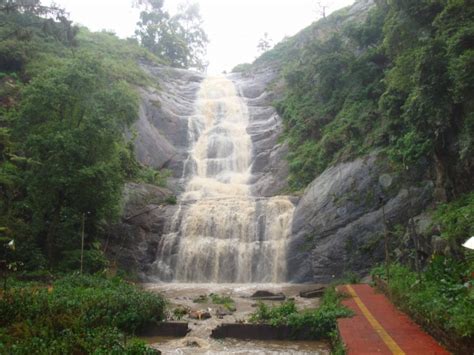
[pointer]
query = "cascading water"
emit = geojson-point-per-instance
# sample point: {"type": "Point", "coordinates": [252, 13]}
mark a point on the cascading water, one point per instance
{"type": "Point", "coordinates": [220, 232]}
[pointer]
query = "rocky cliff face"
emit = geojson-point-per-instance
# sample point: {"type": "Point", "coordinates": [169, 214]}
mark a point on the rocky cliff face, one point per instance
{"type": "Point", "coordinates": [269, 166]}
{"type": "Point", "coordinates": [341, 218]}
{"type": "Point", "coordinates": [162, 142]}
{"type": "Point", "coordinates": [339, 223]}
{"type": "Point", "coordinates": [131, 244]}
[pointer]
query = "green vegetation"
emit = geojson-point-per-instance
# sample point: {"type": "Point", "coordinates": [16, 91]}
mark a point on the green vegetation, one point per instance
{"type": "Point", "coordinates": [456, 219]}
{"type": "Point", "coordinates": [120, 57]}
{"type": "Point", "coordinates": [226, 301]}
{"type": "Point", "coordinates": [242, 68]}
{"type": "Point", "coordinates": [148, 175]}
{"type": "Point", "coordinates": [76, 314]}
{"type": "Point", "coordinates": [400, 81]}
{"type": "Point", "coordinates": [67, 98]}
{"type": "Point", "coordinates": [317, 323]}
{"type": "Point", "coordinates": [443, 295]}
{"type": "Point", "coordinates": [179, 39]}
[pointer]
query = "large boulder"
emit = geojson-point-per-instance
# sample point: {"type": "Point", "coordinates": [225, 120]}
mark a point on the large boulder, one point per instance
{"type": "Point", "coordinates": [131, 244]}
{"type": "Point", "coordinates": [338, 224]}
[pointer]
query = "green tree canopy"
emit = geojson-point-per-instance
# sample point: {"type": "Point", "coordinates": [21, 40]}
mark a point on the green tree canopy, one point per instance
{"type": "Point", "coordinates": [179, 39]}
{"type": "Point", "coordinates": [70, 126]}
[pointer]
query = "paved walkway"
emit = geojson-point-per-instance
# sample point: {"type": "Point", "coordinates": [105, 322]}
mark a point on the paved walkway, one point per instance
{"type": "Point", "coordinates": [379, 328]}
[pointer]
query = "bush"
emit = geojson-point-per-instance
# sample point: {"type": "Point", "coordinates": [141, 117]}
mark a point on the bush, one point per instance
{"type": "Point", "coordinates": [442, 295]}
{"type": "Point", "coordinates": [318, 323]}
{"type": "Point", "coordinates": [457, 218]}
{"type": "Point", "coordinates": [76, 314]}
{"type": "Point", "coordinates": [225, 301]}
{"type": "Point", "coordinates": [149, 175]}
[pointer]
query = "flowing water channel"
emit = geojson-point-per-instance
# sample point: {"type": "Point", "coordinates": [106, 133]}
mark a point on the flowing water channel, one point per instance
{"type": "Point", "coordinates": [199, 341]}
{"type": "Point", "coordinates": [220, 232]}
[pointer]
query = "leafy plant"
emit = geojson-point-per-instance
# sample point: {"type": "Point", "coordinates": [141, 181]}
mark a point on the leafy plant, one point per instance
{"type": "Point", "coordinates": [456, 218]}
{"type": "Point", "coordinates": [214, 298]}
{"type": "Point", "coordinates": [317, 323]}
{"type": "Point", "coordinates": [443, 295]}
{"type": "Point", "coordinates": [152, 176]}
{"type": "Point", "coordinates": [76, 314]}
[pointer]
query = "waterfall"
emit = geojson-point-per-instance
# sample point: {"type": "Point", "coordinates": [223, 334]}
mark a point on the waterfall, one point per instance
{"type": "Point", "coordinates": [220, 232]}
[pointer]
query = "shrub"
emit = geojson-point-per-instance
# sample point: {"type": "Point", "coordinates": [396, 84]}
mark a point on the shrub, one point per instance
{"type": "Point", "coordinates": [442, 294]}
{"type": "Point", "coordinates": [76, 314]}
{"type": "Point", "coordinates": [318, 323]}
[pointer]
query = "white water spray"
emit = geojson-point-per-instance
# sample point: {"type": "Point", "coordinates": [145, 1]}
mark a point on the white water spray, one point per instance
{"type": "Point", "coordinates": [220, 232]}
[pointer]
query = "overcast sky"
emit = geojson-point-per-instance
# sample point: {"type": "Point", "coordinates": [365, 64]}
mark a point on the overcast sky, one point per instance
{"type": "Point", "coordinates": [233, 26]}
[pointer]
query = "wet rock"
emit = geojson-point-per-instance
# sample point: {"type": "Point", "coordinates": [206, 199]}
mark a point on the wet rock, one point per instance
{"type": "Point", "coordinates": [221, 312]}
{"type": "Point", "coordinates": [313, 293]}
{"type": "Point", "coordinates": [133, 242]}
{"type": "Point", "coordinates": [201, 299]}
{"type": "Point", "coordinates": [269, 166]}
{"type": "Point", "coordinates": [201, 315]}
{"type": "Point", "coordinates": [162, 122]}
{"type": "Point", "coordinates": [338, 223]}
{"type": "Point", "coordinates": [192, 344]}
{"type": "Point", "coordinates": [263, 295]}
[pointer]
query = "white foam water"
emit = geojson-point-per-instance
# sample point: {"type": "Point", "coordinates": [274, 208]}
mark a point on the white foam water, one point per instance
{"type": "Point", "coordinates": [220, 232]}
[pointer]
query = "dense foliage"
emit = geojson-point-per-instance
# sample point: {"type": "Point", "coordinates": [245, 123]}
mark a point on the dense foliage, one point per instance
{"type": "Point", "coordinates": [76, 314]}
{"type": "Point", "coordinates": [317, 323]}
{"type": "Point", "coordinates": [401, 81]}
{"type": "Point", "coordinates": [67, 101]}
{"type": "Point", "coordinates": [456, 219]}
{"type": "Point", "coordinates": [443, 295]}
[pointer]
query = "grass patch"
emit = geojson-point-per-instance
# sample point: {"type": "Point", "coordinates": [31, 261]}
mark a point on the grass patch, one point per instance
{"type": "Point", "coordinates": [443, 294]}
{"type": "Point", "coordinates": [76, 314]}
{"type": "Point", "coordinates": [225, 301]}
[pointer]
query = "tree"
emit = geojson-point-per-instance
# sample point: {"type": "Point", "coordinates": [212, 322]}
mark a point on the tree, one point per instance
{"type": "Point", "coordinates": [53, 20]}
{"type": "Point", "coordinates": [178, 39]}
{"type": "Point", "coordinates": [265, 43]}
{"type": "Point", "coordinates": [322, 7]}
{"type": "Point", "coordinates": [70, 126]}
{"type": "Point", "coordinates": [191, 23]}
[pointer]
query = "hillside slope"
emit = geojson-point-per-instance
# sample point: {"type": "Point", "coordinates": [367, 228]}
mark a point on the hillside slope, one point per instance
{"type": "Point", "coordinates": [376, 102]}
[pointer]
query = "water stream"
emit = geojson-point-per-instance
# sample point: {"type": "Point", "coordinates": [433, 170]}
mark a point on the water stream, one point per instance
{"type": "Point", "coordinates": [220, 232]}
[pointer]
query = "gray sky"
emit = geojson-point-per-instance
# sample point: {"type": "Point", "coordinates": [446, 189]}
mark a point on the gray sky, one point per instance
{"type": "Point", "coordinates": [233, 26]}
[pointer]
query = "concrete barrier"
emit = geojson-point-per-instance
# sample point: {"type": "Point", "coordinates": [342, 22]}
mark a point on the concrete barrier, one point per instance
{"type": "Point", "coordinates": [258, 332]}
{"type": "Point", "coordinates": [166, 329]}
